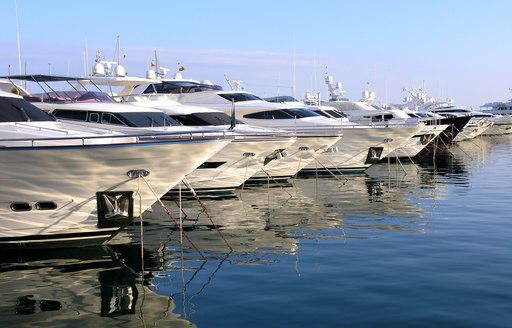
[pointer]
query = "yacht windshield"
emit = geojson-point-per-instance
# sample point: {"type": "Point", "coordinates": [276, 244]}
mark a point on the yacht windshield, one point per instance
{"type": "Point", "coordinates": [280, 114]}
{"type": "Point", "coordinates": [204, 119]}
{"type": "Point", "coordinates": [146, 119]}
{"type": "Point", "coordinates": [178, 87]}
{"type": "Point", "coordinates": [301, 112]}
{"type": "Point", "coordinates": [70, 97]}
{"type": "Point", "coordinates": [19, 110]}
{"type": "Point", "coordinates": [239, 96]}
{"type": "Point", "coordinates": [279, 99]}
{"type": "Point", "coordinates": [333, 113]}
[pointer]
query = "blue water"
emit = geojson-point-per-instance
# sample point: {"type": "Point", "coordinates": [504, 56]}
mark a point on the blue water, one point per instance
{"type": "Point", "coordinates": [423, 244]}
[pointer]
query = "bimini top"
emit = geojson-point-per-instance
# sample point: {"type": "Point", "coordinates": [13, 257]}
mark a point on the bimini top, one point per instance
{"type": "Point", "coordinates": [42, 78]}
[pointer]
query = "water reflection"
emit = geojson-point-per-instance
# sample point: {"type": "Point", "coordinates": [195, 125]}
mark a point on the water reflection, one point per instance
{"type": "Point", "coordinates": [91, 286]}
{"type": "Point", "coordinates": [455, 164]}
{"type": "Point", "coordinates": [153, 274]}
{"type": "Point", "coordinates": [266, 222]}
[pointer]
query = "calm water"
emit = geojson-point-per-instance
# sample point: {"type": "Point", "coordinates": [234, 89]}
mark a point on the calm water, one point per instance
{"type": "Point", "coordinates": [405, 245]}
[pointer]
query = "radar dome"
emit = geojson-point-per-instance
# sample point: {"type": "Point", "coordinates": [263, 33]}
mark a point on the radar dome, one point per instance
{"type": "Point", "coordinates": [98, 69]}
{"type": "Point", "coordinates": [120, 71]}
{"type": "Point", "coordinates": [151, 74]}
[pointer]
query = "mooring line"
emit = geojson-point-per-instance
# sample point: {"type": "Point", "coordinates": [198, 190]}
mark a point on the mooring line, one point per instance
{"type": "Point", "coordinates": [174, 220]}
{"type": "Point", "coordinates": [270, 177]}
{"type": "Point", "coordinates": [141, 226]}
{"type": "Point", "coordinates": [187, 184]}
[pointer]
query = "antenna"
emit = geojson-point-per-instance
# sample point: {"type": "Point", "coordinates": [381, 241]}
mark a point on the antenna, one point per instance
{"type": "Point", "coordinates": [315, 84]}
{"type": "Point", "coordinates": [156, 60]}
{"type": "Point", "coordinates": [279, 84]}
{"type": "Point", "coordinates": [118, 50]}
{"type": "Point", "coordinates": [18, 35]}
{"type": "Point", "coordinates": [86, 57]}
{"type": "Point", "coordinates": [294, 76]}
{"type": "Point", "coordinates": [227, 80]}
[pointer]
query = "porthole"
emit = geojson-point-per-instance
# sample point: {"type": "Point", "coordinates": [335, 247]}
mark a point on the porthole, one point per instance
{"type": "Point", "coordinates": [46, 206]}
{"type": "Point", "coordinates": [21, 207]}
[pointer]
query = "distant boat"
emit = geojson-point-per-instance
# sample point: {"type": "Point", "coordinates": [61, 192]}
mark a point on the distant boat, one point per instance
{"type": "Point", "coordinates": [498, 107]}
{"type": "Point", "coordinates": [503, 110]}
{"type": "Point", "coordinates": [358, 117]}
{"type": "Point", "coordinates": [69, 185]}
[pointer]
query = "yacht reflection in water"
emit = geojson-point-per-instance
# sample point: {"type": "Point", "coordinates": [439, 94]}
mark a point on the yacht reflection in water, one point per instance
{"type": "Point", "coordinates": [90, 286]}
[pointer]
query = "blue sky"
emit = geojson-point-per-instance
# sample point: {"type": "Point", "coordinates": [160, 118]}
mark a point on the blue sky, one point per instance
{"type": "Point", "coordinates": [457, 49]}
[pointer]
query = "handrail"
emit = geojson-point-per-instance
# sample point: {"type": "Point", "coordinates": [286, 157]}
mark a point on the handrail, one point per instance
{"type": "Point", "coordinates": [122, 138]}
{"type": "Point", "coordinates": [329, 129]}
{"type": "Point", "coordinates": [40, 128]}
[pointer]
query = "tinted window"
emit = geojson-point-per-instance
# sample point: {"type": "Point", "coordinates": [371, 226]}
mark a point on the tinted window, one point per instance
{"type": "Point", "coordinates": [270, 115]}
{"type": "Point", "coordinates": [202, 119]}
{"type": "Point", "coordinates": [146, 119]}
{"type": "Point", "coordinates": [180, 87]}
{"type": "Point", "coordinates": [300, 112]}
{"type": "Point", "coordinates": [94, 117]}
{"type": "Point", "coordinates": [330, 113]}
{"type": "Point", "coordinates": [70, 114]}
{"type": "Point", "coordinates": [109, 118]}
{"type": "Point", "coordinates": [20, 110]}
{"type": "Point", "coordinates": [239, 96]}
{"type": "Point", "coordinates": [335, 113]}
{"type": "Point", "coordinates": [385, 117]}
{"type": "Point", "coordinates": [278, 99]}
{"type": "Point", "coordinates": [135, 119]}
{"type": "Point", "coordinates": [322, 113]}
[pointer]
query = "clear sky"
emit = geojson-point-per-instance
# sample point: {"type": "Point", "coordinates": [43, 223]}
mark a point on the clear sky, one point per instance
{"type": "Point", "coordinates": [459, 49]}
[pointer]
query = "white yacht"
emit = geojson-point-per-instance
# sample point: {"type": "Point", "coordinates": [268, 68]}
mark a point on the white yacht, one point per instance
{"type": "Point", "coordinates": [498, 107]}
{"type": "Point", "coordinates": [419, 101]}
{"type": "Point", "coordinates": [226, 170]}
{"type": "Point", "coordinates": [70, 185]}
{"type": "Point", "coordinates": [502, 110]}
{"type": "Point", "coordinates": [365, 111]}
{"type": "Point", "coordinates": [377, 118]}
{"type": "Point", "coordinates": [357, 117]}
{"type": "Point", "coordinates": [438, 130]}
{"type": "Point", "coordinates": [478, 124]}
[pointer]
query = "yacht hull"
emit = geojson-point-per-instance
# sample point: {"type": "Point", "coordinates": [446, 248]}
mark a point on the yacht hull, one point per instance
{"type": "Point", "coordinates": [52, 196]}
{"type": "Point", "coordinates": [455, 126]}
{"type": "Point", "coordinates": [501, 125]}
{"type": "Point", "coordinates": [473, 130]}
{"type": "Point", "coordinates": [419, 141]}
{"type": "Point", "coordinates": [298, 156]}
{"type": "Point", "coordinates": [237, 162]}
{"type": "Point", "coordinates": [363, 146]}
